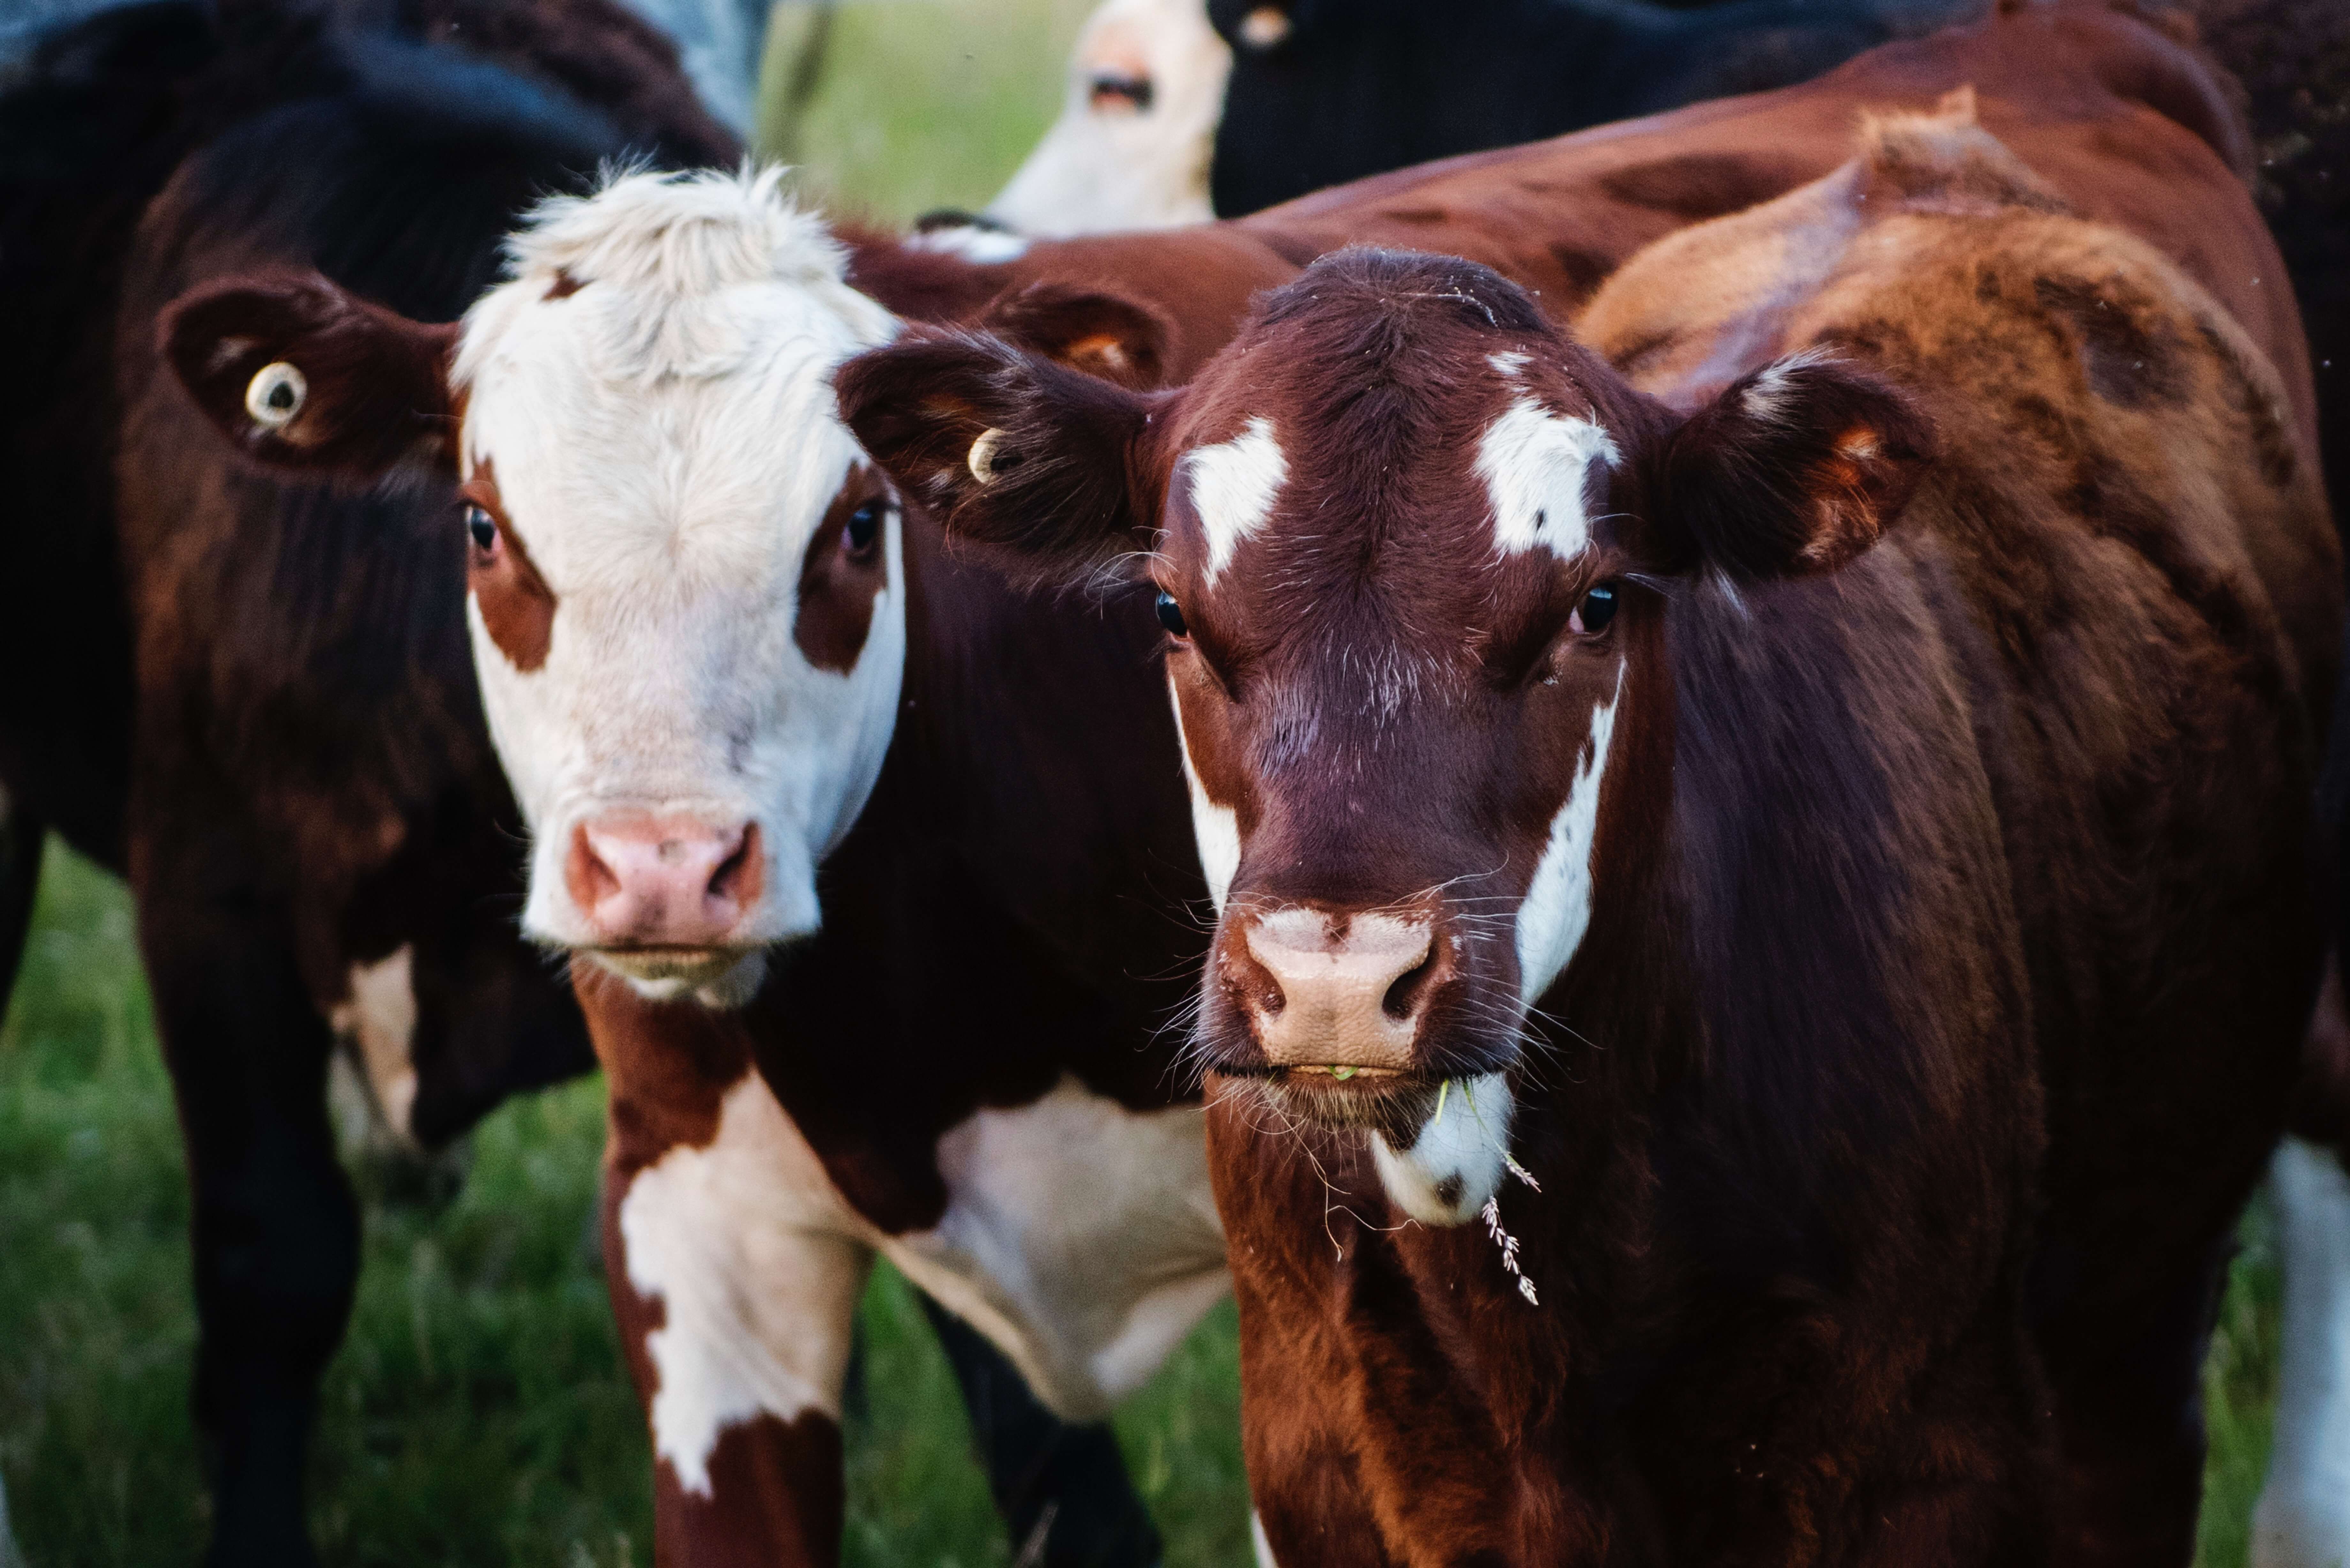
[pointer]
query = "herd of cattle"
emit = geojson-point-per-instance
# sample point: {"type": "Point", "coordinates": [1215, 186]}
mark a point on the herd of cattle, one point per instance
{"type": "Point", "coordinates": [1659, 788]}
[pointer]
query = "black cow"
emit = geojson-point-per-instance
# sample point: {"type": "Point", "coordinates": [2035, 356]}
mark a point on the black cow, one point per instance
{"type": "Point", "coordinates": [257, 699]}
{"type": "Point", "coordinates": [1323, 91]}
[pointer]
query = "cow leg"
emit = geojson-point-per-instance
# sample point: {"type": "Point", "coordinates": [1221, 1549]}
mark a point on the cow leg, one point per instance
{"type": "Point", "coordinates": [2302, 1520]}
{"type": "Point", "coordinates": [20, 874]}
{"type": "Point", "coordinates": [735, 1283]}
{"type": "Point", "coordinates": [277, 1232]}
{"type": "Point", "coordinates": [1062, 1490]}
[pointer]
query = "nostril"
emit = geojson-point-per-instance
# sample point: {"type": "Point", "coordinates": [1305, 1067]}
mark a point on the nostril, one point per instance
{"type": "Point", "coordinates": [1410, 988]}
{"type": "Point", "coordinates": [736, 875]}
{"type": "Point", "coordinates": [592, 880]}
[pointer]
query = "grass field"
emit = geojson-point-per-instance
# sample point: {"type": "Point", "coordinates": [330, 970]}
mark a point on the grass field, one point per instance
{"type": "Point", "coordinates": [479, 1414]}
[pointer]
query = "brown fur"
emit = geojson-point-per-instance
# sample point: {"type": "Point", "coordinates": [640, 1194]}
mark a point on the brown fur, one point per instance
{"type": "Point", "coordinates": [837, 584]}
{"type": "Point", "coordinates": [517, 608]}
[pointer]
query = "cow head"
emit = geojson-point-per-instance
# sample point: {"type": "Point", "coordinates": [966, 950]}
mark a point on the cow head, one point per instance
{"type": "Point", "coordinates": [688, 600]}
{"type": "Point", "coordinates": [1415, 552]}
{"type": "Point", "coordinates": [1146, 88]}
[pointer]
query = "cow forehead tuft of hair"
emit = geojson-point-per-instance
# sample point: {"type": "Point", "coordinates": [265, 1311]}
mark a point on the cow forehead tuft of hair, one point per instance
{"type": "Point", "coordinates": [679, 233]}
{"type": "Point", "coordinates": [1407, 287]}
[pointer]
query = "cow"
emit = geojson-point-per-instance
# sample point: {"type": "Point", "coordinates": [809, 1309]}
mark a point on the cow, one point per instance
{"type": "Point", "coordinates": [1145, 90]}
{"type": "Point", "coordinates": [1764, 925]}
{"type": "Point", "coordinates": [640, 695]}
{"type": "Point", "coordinates": [262, 708]}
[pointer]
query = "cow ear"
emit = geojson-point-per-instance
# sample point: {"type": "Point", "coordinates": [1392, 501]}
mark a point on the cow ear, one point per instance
{"type": "Point", "coordinates": [1005, 448]}
{"type": "Point", "coordinates": [1106, 335]}
{"type": "Point", "coordinates": [300, 374]}
{"type": "Point", "coordinates": [1793, 470]}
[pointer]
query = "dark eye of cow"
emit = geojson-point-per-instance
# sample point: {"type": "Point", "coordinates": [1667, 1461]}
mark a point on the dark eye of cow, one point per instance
{"type": "Point", "coordinates": [1597, 608]}
{"type": "Point", "coordinates": [864, 527]}
{"type": "Point", "coordinates": [1170, 615]}
{"type": "Point", "coordinates": [483, 528]}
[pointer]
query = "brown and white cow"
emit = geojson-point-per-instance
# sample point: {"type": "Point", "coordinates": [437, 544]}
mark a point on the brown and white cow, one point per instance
{"type": "Point", "coordinates": [1764, 916]}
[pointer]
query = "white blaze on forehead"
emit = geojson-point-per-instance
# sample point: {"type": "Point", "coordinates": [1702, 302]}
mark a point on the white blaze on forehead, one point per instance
{"type": "Point", "coordinates": [757, 1267]}
{"type": "Point", "coordinates": [1456, 1162]}
{"type": "Point", "coordinates": [1535, 464]}
{"type": "Point", "coordinates": [1231, 487]}
{"type": "Point", "coordinates": [652, 389]}
{"type": "Point", "coordinates": [1557, 908]}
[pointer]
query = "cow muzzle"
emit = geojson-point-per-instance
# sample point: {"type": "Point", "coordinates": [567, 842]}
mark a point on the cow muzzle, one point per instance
{"type": "Point", "coordinates": [1335, 1002]}
{"type": "Point", "coordinates": [666, 898]}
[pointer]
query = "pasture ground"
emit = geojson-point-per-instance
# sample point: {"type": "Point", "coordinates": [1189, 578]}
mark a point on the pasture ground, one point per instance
{"type": "Point", "coordinates": [479, 1413]}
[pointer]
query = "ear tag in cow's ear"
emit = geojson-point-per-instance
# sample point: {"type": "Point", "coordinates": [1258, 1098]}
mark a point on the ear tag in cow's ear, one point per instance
{"type": "Point", "coordinates": [1264, 26]}
{"type": "Point", "coordinates": [276, 394]}
{"type": "Point", "coordinates": [983, 455]}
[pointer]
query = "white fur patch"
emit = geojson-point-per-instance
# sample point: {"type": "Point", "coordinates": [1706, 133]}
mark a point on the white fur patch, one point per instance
{"type": "Point", "coordinates": [1079, 1236]}
{"type": "Point", "coordinates": [379, 1018]}
{"type": "Point", "coordinates": [1458, 1159]}
{"type": "Point", "coordinates": [1557, 908]}
{"type": "Point", "coordinates": [665, 443]}
{"type": "Point", "coordinates": [974, 243]}
{"type": "Point", "coordinates": [1535, 464]}
{"type": "Point", "coordinates": [1216, 829]}
{"type": "Point", "coordinates": [757, 1265]}
{"type": "Point", "coordinates": [1256, 1539]}
{"type": "Point", "coordinates": [1231, 487]}
{"type": "Point", "coordinates": [2302, 1520]}
{"type": "Point", "coordinates": [1095, 170]}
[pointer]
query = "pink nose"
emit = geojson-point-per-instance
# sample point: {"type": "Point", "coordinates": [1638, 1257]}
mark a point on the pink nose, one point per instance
{"type": "Point", "coordinates": [663, 881]}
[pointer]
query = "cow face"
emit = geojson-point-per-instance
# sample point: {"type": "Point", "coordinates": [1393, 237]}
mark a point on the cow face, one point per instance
{"type": "Point", "coordinates": [1146, 88]}
{"type": "Point", "coordinates": [1415, 553]}
{"type": "Point", "coordinates": [687, 600]}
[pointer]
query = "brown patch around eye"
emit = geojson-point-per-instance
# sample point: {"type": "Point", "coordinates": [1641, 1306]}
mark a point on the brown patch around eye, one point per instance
{"type": "Point", "coordinates": [517, 606]}
{"type": "Point", "coordinates": [839, 584]}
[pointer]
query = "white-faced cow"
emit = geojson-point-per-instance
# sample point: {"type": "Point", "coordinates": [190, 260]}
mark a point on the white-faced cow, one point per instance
{"type": "Point", "coordinates": [1765, 924]}
{"type": "Point", "coordinates": [315, 828]}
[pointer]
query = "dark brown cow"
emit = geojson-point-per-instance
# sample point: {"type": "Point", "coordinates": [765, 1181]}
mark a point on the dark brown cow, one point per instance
{"type": "Point", "coordinates": [1852, 1004]}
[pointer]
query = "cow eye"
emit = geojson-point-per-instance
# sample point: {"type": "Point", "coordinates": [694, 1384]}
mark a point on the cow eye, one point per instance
{"type": "Point", "coordinates": [864, 527]}
{"type": "Point", "coordinates": [1170, 615]}
{"type": "Point", "coordinates": [483, 528]}
{"type": "Point", "coordinates": [1598, 608]}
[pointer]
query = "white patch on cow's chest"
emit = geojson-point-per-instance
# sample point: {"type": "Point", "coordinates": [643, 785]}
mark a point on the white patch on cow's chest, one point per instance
{"type": "Point", "coordinates": [1557, 908]}
{"type": "Point", "coordinates": [378, 1019]}
{"type": "Point", "coordinates": [1079, 1236]}
{"type": "Point", "coordinates": [1535, 464]}
{"type": "Point", "coordinates": [2302, 1520]}
{"type": "Point", "coordinates": [1232, 486]}
{"type": "Point", "coordinates": [757, 1263]}
{"type": "Point", "coordinates": [1456, 1162]}
{"type": "Point", "coordinates": [1215, 828]}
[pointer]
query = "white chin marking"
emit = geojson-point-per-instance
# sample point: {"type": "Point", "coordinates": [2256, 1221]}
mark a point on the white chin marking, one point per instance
{"type": "Point", "coordinates": [2302, 1520]}
{"type": "Point", "coordinates": [1232, 487]}
{"type": "Point", "coordinates": [721, 982]}
{"type": "Point", "coordinates": [1215, 828]}
{"type": "Point", "coordinates": [1557, 908]}
{"type": "Point", "coordinates": [1458, 1160]}
{"type": "Point", "coordinates": [1535, 464]}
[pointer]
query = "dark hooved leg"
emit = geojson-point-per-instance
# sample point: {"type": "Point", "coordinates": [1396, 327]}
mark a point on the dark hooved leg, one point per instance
{"type": "Point", "coordinates": [276, 1230]}
{"type": "Point", "coordinates": [1062, 1490]}
{"type": "Point", "coordinates": [20, 874]}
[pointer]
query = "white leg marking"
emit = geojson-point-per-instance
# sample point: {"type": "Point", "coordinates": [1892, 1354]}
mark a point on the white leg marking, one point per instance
{"type": "Point", "coordinates": [1079, 1236]}
{"type": "Point", "coordinates": [2302, 1520]}
{"type": "Point", "coordinates": [756, 1262]}
{"type": "Point", "coordinates": [1231, 487]}
{"type": "Point", "coordinates": [1557, 908]}
{"type": "Point", "coordinates": [1215, 828]}
{"type": "Point", "coordinates": [379, 1021]}
{"type": "Point", "coordinates": [1456, 1163]}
